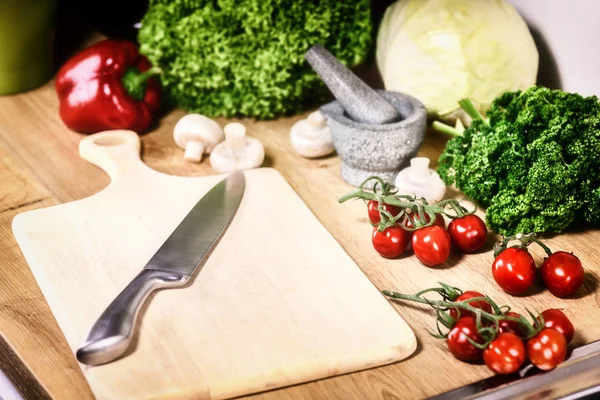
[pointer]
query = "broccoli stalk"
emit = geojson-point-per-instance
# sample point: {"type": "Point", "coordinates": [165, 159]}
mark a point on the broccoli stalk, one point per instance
{"type": "Point", "coordinates": [532, 162]}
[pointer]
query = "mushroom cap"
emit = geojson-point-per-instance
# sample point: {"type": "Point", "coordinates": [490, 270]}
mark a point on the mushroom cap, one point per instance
{"type": "Point", "coordinates": [421, 180]}
{"type": "Point", "coordinates": [311, 137]}
{"type": "Point", "coordinates": [252, 156]}
{"type": "Point", "coordinates": [197, 127]}
{"type": "Point", "coordinates": [254, 146]}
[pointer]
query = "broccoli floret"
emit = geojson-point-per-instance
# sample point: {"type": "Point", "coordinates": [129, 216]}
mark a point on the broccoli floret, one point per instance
{"type": "Point", "coordinates": [532, 162]}
{"type": "Point", "coordinates": [246, 57]}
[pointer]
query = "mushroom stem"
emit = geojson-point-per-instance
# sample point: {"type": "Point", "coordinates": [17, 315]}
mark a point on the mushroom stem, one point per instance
{"type": "Point", "coordinates": [237, 151]}
{"type": "Point", "coordinates": [194, 150]}
{"type": "Point", "coordinates": [316, 120]}
{"type": "Point", "coordinates": [235, 136]}
{"type": "Point", "coordinates": [420, 168]}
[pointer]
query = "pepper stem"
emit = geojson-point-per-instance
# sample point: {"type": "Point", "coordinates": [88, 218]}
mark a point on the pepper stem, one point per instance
{"type": "Point", "coordinates": [135, 81]}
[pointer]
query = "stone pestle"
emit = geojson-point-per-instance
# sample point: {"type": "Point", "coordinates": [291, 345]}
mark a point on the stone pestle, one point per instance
{"type": "Point", "coordinates": [360, 101]}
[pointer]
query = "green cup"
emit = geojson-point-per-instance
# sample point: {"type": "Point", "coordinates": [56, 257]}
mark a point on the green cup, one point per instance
{"type": "Point", "coordinates": [26, 44]}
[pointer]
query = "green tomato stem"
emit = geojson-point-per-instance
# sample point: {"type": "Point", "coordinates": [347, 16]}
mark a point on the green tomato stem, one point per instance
{"type": "Point", "coordinates": [450, 304]}
{"type": "Point", "coordinates": [528, 329]}
{"type": "Point", "coordinates": [524, 241]}
{"type": "Point", "coordinates": [449, 292]}
{"type": "Point", "coordinates": [385, 193]}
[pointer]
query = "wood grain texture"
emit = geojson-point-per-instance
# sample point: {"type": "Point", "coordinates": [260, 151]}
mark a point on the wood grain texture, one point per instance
{"type": "Point", "coordinates": [25, 319]}
{"type": "Point", "coordinates": [272, 306]}
{"type": "Point", "coordinates": [28, 386]}
{"type": "Point", "coordinates": [35, 135]}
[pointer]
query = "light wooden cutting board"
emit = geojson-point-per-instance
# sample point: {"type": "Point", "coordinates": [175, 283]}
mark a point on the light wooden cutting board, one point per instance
{"type": "Point", "coordinates": [278, 302]}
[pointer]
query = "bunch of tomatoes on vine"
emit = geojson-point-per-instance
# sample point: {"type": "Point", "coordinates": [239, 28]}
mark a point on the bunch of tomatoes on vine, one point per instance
{"type": "Point", "coordinates": [400, 220]}
{"type": "Point", "coordinates": [477, 329]}
{"type": "Point", "coordinates": [514, 269]}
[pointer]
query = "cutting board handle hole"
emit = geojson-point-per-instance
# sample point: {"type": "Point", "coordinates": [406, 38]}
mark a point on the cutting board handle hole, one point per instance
{"type": "Point", "coordinates": [109, 141]}
{"type": "Point", "coordinates": [115, 151]}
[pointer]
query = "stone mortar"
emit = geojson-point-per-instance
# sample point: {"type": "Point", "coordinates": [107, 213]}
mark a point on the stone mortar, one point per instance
{"type": "Point", "coordinates": [377, 150]}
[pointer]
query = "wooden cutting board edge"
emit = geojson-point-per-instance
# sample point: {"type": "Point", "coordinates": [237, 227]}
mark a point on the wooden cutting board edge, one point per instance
{"type": "Point", "coordinates": [402, 352]}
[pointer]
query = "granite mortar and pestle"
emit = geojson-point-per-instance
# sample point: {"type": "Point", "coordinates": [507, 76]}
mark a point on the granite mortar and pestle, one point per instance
{"type": "Point", "coordinates": [375, 132]}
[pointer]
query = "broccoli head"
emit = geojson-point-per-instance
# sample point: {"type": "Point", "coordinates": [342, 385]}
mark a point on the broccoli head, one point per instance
{"type": "Point", "coordinates": [532, 162]}
{"type": "Point", "coordinates": [246, 57]}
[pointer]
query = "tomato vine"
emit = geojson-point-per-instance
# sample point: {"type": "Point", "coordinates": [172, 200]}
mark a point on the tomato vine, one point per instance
{"type": "Point", "coordinates": [420, 212]}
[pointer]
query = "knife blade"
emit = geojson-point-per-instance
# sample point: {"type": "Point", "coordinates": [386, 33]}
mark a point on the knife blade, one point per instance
{"type": "Point", "coordinates": [531, 382]}
{"type": "Point", "coordinates": [181, 255]}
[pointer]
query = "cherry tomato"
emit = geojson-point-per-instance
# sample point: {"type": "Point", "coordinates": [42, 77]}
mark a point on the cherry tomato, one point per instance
{"type": "Point", "coordinates": [507, 326]}
{"type": "Point", "coordinates": [505, 354]}
{"type": "Point", "coordinates": [431, 245]}
{"type": "Point", "coordinates": [457, 341]}
{"type": "Point", "coordinates": [557, 320]}
{"type": "Point", "coordinates": [468, 233]}
{"type": "Point", "coordinates": [514, 270]}
{"type": "Point", "coordinates": [562, 274]}
{"type": "Point", "coordinates": [439, 221]}
{"type": "Point", "coordinates": [373, 210]}
{"type": "Point", "coordinates": [547, 349]}
{"type": "Point", "coordinates": [470, 294]}
{"type": "Point", "coordinates": [392, 242]}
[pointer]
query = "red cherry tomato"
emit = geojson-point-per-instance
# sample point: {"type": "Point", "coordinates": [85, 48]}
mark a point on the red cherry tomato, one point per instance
{"type": "Point", "coordinates": [547, 349]}
{"type": "Point", "coordinates": [431, 245]}
{"type": "Point", "coordinates": [562, 274]}
{"type": "Point", "coordinates": [373, 210]}
{"type": "Point", "coordinates": [505, 354]}
{"type": "Point", "coordinates": [439, 221]}
{"type": "Point", "coordinates": [557, 320]}
{"type": "Point", "coordinates": [514, 270]}
{"type": "Point", "coordinates": [457, 341]}
{"type": "Point", "coordinates": [470, 294]}
{"type": "Point", "coordinates": [468, 233]}
{"type": "Point", "coordinates": [390, 243]}
{"type": "Point", "coordinates": [507, 326]}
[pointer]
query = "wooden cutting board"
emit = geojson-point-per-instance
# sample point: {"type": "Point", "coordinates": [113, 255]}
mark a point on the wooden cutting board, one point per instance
{"type": "Point", "coordinates": [278, 302]}
{"type": "Point", "coordinates": [16, 380]}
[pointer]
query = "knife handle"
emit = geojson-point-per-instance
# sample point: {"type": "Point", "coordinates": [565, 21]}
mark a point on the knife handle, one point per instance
{"type": "Point", "coordinates": [112, 334]}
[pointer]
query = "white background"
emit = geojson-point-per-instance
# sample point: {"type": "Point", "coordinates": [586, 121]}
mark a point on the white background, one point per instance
{"type": "Point", "coordinates": [7, 390]}
{"type": "Point", "coordinates": [570, 57]}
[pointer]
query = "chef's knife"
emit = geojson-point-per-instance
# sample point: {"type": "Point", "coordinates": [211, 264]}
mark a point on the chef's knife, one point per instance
{"type": "Point", "coordinates": [578, 376]}
{"type": "Point", "coordinates": [174, 263]}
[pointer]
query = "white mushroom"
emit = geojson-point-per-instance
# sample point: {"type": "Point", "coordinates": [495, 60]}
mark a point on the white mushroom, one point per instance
{"type": "Point", "coordinates": [420, 180]}
{"type": "Point", "coordinates": [198, 135]}
{"type": "Point", "coordinates": [311, 137]}
{"type": "Point", "coordinates": [238, 151]}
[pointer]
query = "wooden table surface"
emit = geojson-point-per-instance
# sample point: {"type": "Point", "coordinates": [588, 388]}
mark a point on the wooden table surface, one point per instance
{"type": "Point", "coordinates": [40, 166]}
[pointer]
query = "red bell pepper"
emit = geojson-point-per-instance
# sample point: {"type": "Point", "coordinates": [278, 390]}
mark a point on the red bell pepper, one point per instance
{"type": "Point", "coordinates": [108, 85]}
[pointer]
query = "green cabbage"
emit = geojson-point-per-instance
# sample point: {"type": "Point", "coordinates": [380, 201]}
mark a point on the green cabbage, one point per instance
{"type": "Point", "coordinates": [442, 51]}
